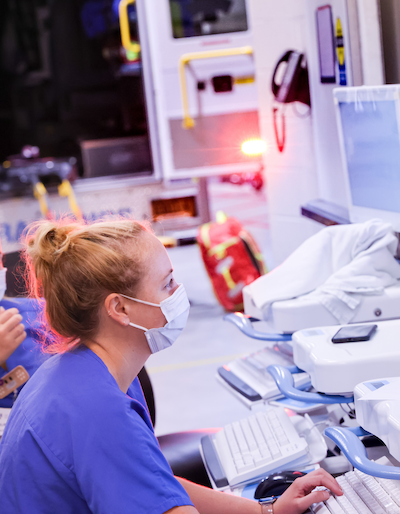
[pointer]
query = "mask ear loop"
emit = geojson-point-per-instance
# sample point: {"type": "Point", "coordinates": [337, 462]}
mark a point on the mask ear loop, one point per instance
{"type": "Point", "coordinates": [138, 326]}
{"type": "Point", "coordinates": [140, 301]}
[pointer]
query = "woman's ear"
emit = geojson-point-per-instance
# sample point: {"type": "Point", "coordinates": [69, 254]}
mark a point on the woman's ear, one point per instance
{"type": "Point", "coordinates": [115, 309]}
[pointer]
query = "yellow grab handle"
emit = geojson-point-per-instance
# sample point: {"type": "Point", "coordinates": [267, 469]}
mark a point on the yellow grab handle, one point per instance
{"type": "Point", "coordinates": [65, 189]}
{"type": "Point", "coordinates": [188, 121]}
{"type": "Point", "coordinates": [124, 26]}
{"type": "Point", "coordinates": [40, 193]}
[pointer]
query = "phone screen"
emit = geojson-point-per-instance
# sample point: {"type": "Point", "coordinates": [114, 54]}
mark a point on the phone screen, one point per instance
{"type": "Point", "coordinates": [326, 46]}
{"type": "Point", "coordinates": [353, 334]}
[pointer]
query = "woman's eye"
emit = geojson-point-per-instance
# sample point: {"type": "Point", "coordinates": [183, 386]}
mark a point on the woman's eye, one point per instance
{"type": "Point", "coordinates": [170, 283]}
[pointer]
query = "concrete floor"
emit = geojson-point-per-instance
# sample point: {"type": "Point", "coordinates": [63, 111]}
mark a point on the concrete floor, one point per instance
{"type": "Point", "coordinates": [187, 393]}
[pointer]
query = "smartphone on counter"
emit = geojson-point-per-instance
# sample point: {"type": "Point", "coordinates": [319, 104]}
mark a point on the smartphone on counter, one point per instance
{"type": "Point", "coordinates": [354, 333]}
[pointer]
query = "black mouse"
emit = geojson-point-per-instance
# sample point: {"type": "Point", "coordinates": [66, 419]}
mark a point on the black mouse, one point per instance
{"type": "Point", "coordinates": [276, 484]}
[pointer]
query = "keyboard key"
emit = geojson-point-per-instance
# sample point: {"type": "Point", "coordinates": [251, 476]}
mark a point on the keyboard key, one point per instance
{"type": "Point", "coordinates": [275, 452]}
{"type": "Point", "coordinates": [258, 458]}
{"type": "Point", "coordinates": [245, 467]}
{"type": "Point", "coordinates": [237, 430]}
{"type": "Point", "coordinates": [333, 506]}
{"type": "Point", "coordinates": [255, 427]}
{"type": "Point", "coordinates": [230, 436]}
{"type": "Point", "coordinates": [249, 435]}
{"type": "Point", "coordinates": [345, 504]}
{"type": "Point", "coordinates": [319, 508]}
{"type": "Point", "coordinates": [264, 426]}
{"type": "Point", "coordinates": [266, 454]}
{"type": "Point", "coordinates": [275, 425]}
{"type": "Point", "coordinates": [248, 460]}
{"type": "Point", "coordinates": [282, 439]}
{"type": "Point", "coordinates": [239, 462]}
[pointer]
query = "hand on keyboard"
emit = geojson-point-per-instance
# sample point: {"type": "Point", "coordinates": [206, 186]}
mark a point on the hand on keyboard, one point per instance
{"type": "Point", "coordinates": [301, 495]}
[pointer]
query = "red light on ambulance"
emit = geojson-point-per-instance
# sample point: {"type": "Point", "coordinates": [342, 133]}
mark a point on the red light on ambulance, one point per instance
{"type": "Point", "coordinates": [254, 147]}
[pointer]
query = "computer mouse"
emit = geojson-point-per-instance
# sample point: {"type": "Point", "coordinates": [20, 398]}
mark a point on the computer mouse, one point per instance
{"type": "Point", "coordinates": [276, 484]}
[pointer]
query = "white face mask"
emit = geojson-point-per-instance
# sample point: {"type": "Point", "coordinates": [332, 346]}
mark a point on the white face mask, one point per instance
{"type": "Point", "coordinates": [3, 283]}
{"type": "Point", "coordinates": [176, 311]}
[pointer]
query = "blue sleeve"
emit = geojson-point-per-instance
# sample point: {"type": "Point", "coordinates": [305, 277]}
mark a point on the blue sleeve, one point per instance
{"type": "Point", "coordinates": [29, 354]}
{"type": "Point", "coordinates": [119, 465]}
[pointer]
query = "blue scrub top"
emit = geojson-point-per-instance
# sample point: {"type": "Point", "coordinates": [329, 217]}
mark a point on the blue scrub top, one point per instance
{"type": "Point", "coordinates": [29, 354]}
{"type": "Point", "coordinates": [76, 444]}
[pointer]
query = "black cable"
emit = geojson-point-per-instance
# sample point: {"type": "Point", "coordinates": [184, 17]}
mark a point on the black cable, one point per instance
{"type": "Point", "coordinates": [351, 412]}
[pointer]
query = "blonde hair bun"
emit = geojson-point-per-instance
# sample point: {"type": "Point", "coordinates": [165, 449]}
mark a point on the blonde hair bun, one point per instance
{"type": "Point", "coordinates": [50, 241]}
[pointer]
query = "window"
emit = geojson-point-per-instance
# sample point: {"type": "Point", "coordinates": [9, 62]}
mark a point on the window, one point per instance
{"type": "Point", "coordinates": [192, 18]}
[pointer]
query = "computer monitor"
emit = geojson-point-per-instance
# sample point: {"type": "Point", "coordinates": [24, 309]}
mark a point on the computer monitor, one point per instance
{"type": "Point", "coordinates": [369, 134]}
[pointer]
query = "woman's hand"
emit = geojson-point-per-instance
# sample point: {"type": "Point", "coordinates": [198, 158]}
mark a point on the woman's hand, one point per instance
{"type": "Point", "coordinates": [298, 497]}
{"type": "Point", "coordinates": [12, 332]}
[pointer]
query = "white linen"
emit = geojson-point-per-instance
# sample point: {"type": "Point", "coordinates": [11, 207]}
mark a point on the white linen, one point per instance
{"type": "Point", "coordinates": [337, 266]}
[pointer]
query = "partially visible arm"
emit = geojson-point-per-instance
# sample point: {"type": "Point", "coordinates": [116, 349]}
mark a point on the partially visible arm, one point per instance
{"type": "Point", "coordinates": [208, 501]}
{"type": "Point", "coordinates": [296, 499]}
{"type": "Point", "coordinates": [12, 332]}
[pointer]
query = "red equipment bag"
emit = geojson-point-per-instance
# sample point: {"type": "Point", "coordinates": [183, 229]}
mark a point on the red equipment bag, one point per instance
{"type": "Point", "coordinates": [232, 259]}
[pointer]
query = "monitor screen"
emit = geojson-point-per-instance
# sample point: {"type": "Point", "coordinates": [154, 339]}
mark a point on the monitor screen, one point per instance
{"type": "Point", "coordinates": [372, 147]}
{"type": "Point", "coordinates": [369, 135]}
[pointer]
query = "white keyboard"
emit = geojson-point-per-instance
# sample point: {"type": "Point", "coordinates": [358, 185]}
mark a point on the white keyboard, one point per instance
{"type": "Point", "coordinates": [252, 447]}
{"type": "Point", "coordinates": [252, 370]}
{"type": "Point", "coordinates": [362, 494]}
{"type": "Point", "coordinates": [256, 363]}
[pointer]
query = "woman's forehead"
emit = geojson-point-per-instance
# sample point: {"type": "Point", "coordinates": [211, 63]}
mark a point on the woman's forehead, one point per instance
{"type": "Point", "coordinates": [155, 255]}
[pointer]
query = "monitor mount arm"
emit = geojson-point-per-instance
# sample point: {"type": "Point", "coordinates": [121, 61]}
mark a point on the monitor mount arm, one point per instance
{"type": "Point", "coordinates": [244, 324]}
{"type": "Point", "coordinates": [284, 380]}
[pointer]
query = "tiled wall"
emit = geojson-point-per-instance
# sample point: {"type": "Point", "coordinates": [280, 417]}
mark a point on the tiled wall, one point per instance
{"type": "Point", "coordinates": [291, 178]}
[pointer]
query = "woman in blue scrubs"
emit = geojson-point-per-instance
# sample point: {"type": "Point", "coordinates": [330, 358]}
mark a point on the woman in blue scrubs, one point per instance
{"type": "Point", "coordinates": [79, 438]}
